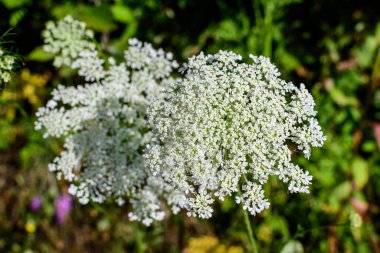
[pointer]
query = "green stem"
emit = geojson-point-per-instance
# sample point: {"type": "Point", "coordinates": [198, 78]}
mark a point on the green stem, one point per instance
{"type": "Point", "coordinates": [140, 246]}
{"type": "Point", "coordinates": [249, 230]}
{"type": "Point", "coordinates": [248, 224]}
{"type": "Point", "coordinates": [268, 21]}
{"type": "Point", "coordinates": [257, 11]}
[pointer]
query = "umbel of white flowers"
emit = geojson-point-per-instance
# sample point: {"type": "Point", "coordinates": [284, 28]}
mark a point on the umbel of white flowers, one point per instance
{"type": "Point", "coordinates": [220, 130]}
{"type": "Point", "coordinates": [103, 121]}
{"type": "Point", "coordinates": [66, 39]}
{"type": "Point", "coordinates": [7, 62]}
{"type": "Point", "coordinates": [226, 127]}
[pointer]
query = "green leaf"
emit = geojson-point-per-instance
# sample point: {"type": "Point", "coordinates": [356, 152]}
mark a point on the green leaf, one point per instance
{"type": "Point", "coordinates": [122, 14]}
{"type": "Point", "coordinates": [360, 172]}
{"type": "Point", "coordinates": [38, 54]}
{"type": "Point", "coordinates": [366, 53]}
{"type": "Point", "coordinates": [98, 18]}
{"type": "Point", "coordinates": [287, 60]}
{"type": "Point", "coordinates": [12, 4]}
{"type": "Point", "coordinates": [17, 16]}
{"type": "Point", "coordinates": [369, 146]}
{"type": "Point", "coordinates": [342, 191]}
{"type": "Point", "coordinates": [228, 30]}
{"type": "Point", "coordinates": [342, 99]}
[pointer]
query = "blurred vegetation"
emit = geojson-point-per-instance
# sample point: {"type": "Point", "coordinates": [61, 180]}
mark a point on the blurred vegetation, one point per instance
{"type": "Point", "coordinates": [331, 46]}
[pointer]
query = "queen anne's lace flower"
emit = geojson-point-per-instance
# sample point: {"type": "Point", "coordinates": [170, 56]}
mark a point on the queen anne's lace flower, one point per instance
{"type": "Point", "coordinates": [227, 126]}
{"type": "Point", "coordinates": [221, 130]}
{"type": "Point", "coordinates": [103, 122]}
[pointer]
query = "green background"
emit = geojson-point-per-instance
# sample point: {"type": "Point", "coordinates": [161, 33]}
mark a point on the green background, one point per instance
{"type": "Point", "coordinates": [331, 46]}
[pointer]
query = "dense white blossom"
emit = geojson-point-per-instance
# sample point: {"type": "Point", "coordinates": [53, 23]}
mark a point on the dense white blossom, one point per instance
{"type": "Point", "coordinates": [7, 64]}
{"type": "Point", "coordinates": [225, 128]}
{"type": "Point", "coordinates": [220, 130]}
{"type": "Point", "coordinates": [103, 122]}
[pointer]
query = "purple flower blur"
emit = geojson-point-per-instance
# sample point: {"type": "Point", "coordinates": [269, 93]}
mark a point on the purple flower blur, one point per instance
{"type": "Point", "coordinates": [35, 204]}
{"type": "Point", "coordinates": [62, 205]}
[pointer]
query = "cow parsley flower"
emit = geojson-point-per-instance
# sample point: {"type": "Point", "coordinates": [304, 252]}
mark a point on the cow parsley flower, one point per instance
{"type": "Point", "coordinates": [103, 122]}
{"type": "Point", "coordinates": [225, 128]}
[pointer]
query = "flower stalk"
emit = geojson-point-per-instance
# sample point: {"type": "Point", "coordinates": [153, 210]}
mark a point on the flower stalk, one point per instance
{"type": "Point", "coordinates": [249, 230]}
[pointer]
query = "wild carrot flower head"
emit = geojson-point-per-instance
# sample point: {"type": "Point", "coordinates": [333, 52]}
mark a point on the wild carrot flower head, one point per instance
{"type": "Point", "coordinates": [226, 127]}
{"type": "Point", "coordinates": [220, 130]}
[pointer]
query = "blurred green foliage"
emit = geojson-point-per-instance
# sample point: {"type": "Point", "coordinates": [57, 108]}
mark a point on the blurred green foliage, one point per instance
{"type": "Point", "coordinates": [331, 46]}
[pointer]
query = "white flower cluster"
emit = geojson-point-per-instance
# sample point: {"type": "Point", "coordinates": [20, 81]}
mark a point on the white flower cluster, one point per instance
{"type": "Point", "coordinates": [220, 130]}
{"type": "Point", "coordinates": [103, 122]}
{"type": "Point", "coordinates": [66, 39]}
{"type": "Point", "coordinates": [225, 128]}
{"type": "Point", "coordinates": [7, 62]}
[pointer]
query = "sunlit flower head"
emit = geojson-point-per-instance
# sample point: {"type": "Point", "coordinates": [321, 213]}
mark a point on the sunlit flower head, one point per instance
{"type": "Point", "coordinates": [226, 127]}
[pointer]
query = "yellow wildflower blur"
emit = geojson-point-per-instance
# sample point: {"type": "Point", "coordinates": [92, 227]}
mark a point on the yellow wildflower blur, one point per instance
{"type": "Point", "coordinates": [30, 227]}
{"type": "Point", "coordinates": [25, 90]}
{"type": "Point", "coordinates": [29, 87]}
{"type": "Point", "coordinates": [209, 244]}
